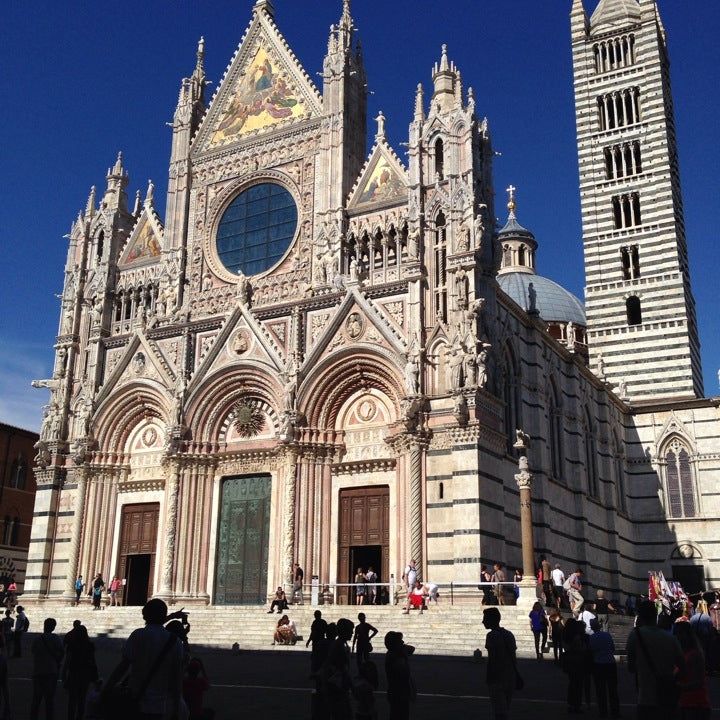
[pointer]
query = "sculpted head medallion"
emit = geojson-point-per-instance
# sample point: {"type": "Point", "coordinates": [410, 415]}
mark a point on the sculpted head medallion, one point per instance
{"type": "Point", "coordinates": [355, 326]}
{"type": "Point", "coordinates": [241, 343]}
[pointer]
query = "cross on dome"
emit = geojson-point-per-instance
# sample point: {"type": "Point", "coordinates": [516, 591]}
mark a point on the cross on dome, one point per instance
{"type": "Point", "coordinates": [511, 200]}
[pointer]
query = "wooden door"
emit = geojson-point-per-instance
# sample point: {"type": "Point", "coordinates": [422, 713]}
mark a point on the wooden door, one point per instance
{"type": "Point", "coordinates": [138, 536]}
{"type": "Point", "coordinates": [364, 522]}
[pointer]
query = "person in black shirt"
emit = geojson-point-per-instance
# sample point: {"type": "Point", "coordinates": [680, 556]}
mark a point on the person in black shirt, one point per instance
{"type": "Point", "coordinates": [317, 638]}
{"type": "Point", "coordinates": [602, 609]}
{"type": "Point", "coordinates": [364, 633]}
{"type": "Point", "coordinates": [298, 576]}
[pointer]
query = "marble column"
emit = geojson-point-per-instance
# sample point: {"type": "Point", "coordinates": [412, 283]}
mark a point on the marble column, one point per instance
{"type": "Point", "coordinates": [416, 504]}
{"type": "Point", "coordinates": [288, 554]}
{"type": "Point", "coordinates": [524, 478]}
{"type": "Point", "coordinates": [74, 551]}
{"type": "Point", "coordinates": [172, 487]}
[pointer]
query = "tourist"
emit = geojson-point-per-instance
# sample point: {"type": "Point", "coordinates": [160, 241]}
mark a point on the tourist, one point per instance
{"type": "Point", "coordinates": [154, 658]}
{"type": "Point", "coordinates": [47, 655]}
{"type": "Point", "coordinates": [653, 656]}
{"type": "Point", "coordinates": [573, 587]}
{"type": "Point", "coordinates": [400, 686]}
{"type": "Point", "coordinates": [115, 587]}
{"type": "Point", "coordinates": [499, 578]}
{"type": "Point", "coordinates": [604, 671]}
{"type": "Point", "coordinates": [279, 602]}
{"type": "Point", "coordinates": [557, 625]}
{"type": "Point", "coordinates": [371, 578]}
{"type": "Point", "coordinates": [298, 576]}
{"type": "Point", "coordinates": [547, 581]}
{"type": "Point", "coordinates": [79, 587]}
{"type": "Point", "coordinates": [502, 676]}
{"type": "Point", "coordinates": [364, 633]}
{"type": "Point", "coordinates": [410, 576]}
{"type": "Point", "coordinates": [360, 588]}
{"type": "Point", "coordinates": [517, 579]}
{"type": "Point", "coordinates": [415, 599]}
{"type": "Point", "coordinates": [431, 592]}
{"type": "Point", "coordinates": [586, 617]}
{"type": "Point", "coordinates": [363, 690]}
{"type": "Point", "coordinates": [195, 685]}
{"type": "Point", "coordinates": [11, 598]}
{"type": "Point", "coordinates": [22, 625]}
{"type": "Point", "coordinates": [336, 673]}
{"type": "Point", "coordinates": [577, 662]}
{"type": "Point", "coordinates": [6, 627]}
{"type": "Point", "coordinates": [486, 587]}
{"type": "Point", "coordinates": [317, 638]}
{"type": "Point", "coordinates": [285, 632]}
{"type": "Point", "coordinates": [602, 608]}
{"type": "Point", "coordinates": [539, 627]}
{"type": "Point", "coordinates": [702, 624]}
{"type": "Point", "coordinates": [558, 579]}
{"type": "Point", "coordinates": [692, 683]}
{"type": "Point", "coordinates": [631, 605]}
{"type": "Point", "coordinates": [79, 670]}
{"type": "Point", "coordinates": [96, 590]}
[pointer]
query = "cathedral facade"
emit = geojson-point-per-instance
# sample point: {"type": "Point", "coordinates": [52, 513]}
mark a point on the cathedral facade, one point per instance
{"type": "Point", "coordinates": [324, 355]}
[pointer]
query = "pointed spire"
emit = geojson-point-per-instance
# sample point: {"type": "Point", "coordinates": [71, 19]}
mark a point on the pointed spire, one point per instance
{"type": "Point", "coordinates": [446, 79]}
{"type": "Point", "coordinates": [471, 100]}
{"type": "Point", "coordinates": [420, 103]}
{"type": "Point", "coordinates": [118, 166]}
{"type": "Point", "coordinates": [91, 205]}
{"type": "Point", "coordinates": [444, 63]}
{"type": "Point", "coordinates": [346, 20]}
{"type": "Point", "coordinates": [149, 194]}
{"type": "Point", "coordinates": [200, 63]}
{"type": "Point", "coordinates": [137, 206]}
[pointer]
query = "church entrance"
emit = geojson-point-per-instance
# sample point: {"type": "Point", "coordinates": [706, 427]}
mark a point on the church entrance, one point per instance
{"type": "Point", "coordinates": [138, 544]}
{"type": "Point", "coordinates": [243, 541]}
{"type": "Point", "coordinates": [363, 537]}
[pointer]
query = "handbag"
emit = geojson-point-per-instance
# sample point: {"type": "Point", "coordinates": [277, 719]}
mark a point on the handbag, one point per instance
{"type": "Point", "coordinates": [121, 703]}
{"type": "Point", "coordinates": [666, 689]}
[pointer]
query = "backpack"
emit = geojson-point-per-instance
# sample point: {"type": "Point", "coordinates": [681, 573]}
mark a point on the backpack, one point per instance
{"type": "Point", "coordinates": [568, 583]}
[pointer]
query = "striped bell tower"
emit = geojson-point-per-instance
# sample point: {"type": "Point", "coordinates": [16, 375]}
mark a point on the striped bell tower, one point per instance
{"type": "Point", "coordinates": [642, 331]}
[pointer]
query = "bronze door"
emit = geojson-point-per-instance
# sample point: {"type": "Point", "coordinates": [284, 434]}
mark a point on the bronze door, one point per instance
{"type": "Point", "coordinates": [138, 546]}
{"type": "Point", "coordinates": [364, 533]}
{"type": "Point", "coordinates": [243, 541]}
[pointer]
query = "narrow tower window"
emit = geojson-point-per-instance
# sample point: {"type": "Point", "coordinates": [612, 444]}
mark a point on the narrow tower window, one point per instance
{"type": "Point", "coordinates": [634, 310]}
{"type": "Point", "coordinates": [626, 211]}
{"type": "Point", "coordinates": [100, 245]}
{"type": "Point", "coordinates": [440, 269]}
{"type": "Point", "coordinates": [439, 159]}
{"type": "Point", "coordinates": [441, 491]}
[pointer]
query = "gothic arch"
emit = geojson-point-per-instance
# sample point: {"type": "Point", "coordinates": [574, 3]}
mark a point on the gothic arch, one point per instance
{"type": "Point", "coordinates": [333, 380]}
{"type": "Point", "coordinates": [117, 417]}
{"type": "Point", "coordinates": [211, 402]}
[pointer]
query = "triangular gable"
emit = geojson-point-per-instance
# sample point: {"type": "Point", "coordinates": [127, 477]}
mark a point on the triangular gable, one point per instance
{"type": "Point", "coordinates": [383, 180]}
{"type": "Point", "coordinates": [673, 426]}
{"type": "Point", "coordinates": [264, 88]}
{"type": "Point", "coordinates": [154, 367]}
{"type": "Point", "coordinates": [371, 326]}
{"type": "Point", "coordinates": [242, 321]}
{"type": "Point", "coordinates": [145, 242]}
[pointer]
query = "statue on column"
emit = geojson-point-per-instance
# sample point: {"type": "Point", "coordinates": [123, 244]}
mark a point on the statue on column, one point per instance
{"type": "Point", "coordinates": [570, 336]}
{"type": "Point", "coordinates": [463, 242]}
{"type": "Point", "coordinates": [455, 364]}
{"type": "Point", "coordinates": [412, 375]}
{"type": "Point", "coordinates": [482, 363]}
{"type": "Point", "coordinates": [243, 289]}
{"type": "Point", "coordinates": [479, 226]}
{"type": "Point", "coordinates": [413, 243]}
{"type": "Point", "coordinates": [470, 368]}
{"type": "Point", "coordinates": [461, 285]}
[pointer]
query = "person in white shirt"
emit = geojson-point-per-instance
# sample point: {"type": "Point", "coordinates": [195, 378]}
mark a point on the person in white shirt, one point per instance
{"type": "Point", "coordinates": [432, 591]}
{"type": "Point", "coordinates": [587, 617]}
{"type": "Point", "coordinates": [558, 578]}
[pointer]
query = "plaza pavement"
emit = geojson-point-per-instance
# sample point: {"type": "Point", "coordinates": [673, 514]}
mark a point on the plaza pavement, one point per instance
{"type": "Point", "coordinates": [274, 684]}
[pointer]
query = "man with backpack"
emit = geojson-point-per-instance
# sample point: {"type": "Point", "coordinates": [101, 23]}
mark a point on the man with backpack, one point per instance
{"type": "Point", "coordinates": [573, 587]}
{"type": "Point", "coordinates": [22, 625]}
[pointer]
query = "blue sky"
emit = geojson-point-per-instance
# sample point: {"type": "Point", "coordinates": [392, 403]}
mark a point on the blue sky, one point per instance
{"type": "Point", "coordinates": [82, 80]}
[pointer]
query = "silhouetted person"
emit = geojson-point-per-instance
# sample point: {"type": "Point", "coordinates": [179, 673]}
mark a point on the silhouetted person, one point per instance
{"type": "Point", "coordinates": [195, 685]}
{"type": "Point", "coordinates": [576, 662]}
{"type": "Point", "coordinates": [4, 690]}
{"type": "Point", "coordinates": [317, 638]}
{"type": "Point", "coordinates": [153, 658]}
{"type": "Point", "coordinates": [501, 667]}
{"type": "Point", "coordinates": [47, 655]}
{"type": "Point", "coordinates": [363, 690]}
{"type": "Point", "coordinates": [653, 654]}
{"type": "Point", "coordinates": [602, 648]}
{"type": "Point", "coordinates": [336, 673]}
{"type": "Point", "coordinates": [364, 633]}
{"type": "Point", "coordinates": [22, 625]}
{"type": "Point", "coordinates": [400, 685]}
{"type": "Point", "coordinates": [80, 670]}
{"type": "Point", "coordinates": [7, 630]}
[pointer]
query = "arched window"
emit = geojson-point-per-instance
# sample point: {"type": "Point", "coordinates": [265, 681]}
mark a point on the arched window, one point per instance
{"type": "Point", "coordinates": [555, 420]}
{"type": "Point", "coordinates": [441, 491]}
{"type": "Point", "coordinates": [18, 473]}
{"type": "Point", "coordinates": [591, 455]}
{"type": "Point", "coordinates": [679, 481]}
{"type": "Point", "coordinates": [511, 397]}
{"type": "Point", "coordinates": [619, 471]}
{"type": "Point", "coordinates": [634, 310]}
{"type": "Point", "coordinates": [439, 159]}
{"type": "Point", "coordinates": [15, 531]}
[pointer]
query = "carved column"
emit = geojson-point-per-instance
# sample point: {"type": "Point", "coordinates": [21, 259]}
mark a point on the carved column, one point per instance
{"type": "Point", "coordinates": [288, 555]}
{"type": "Point", "coordinates": [524, 478]}
{"type": "Point", "coordinates": [172, 486]}
{"type": "Point", "coordinates": [416, 504]}
{"type": "Point", "coordinates": [74, 550]}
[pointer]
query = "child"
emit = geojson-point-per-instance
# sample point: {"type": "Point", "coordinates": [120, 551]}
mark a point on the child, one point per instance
{"type": "Point", "coordinates": [195, 685]}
